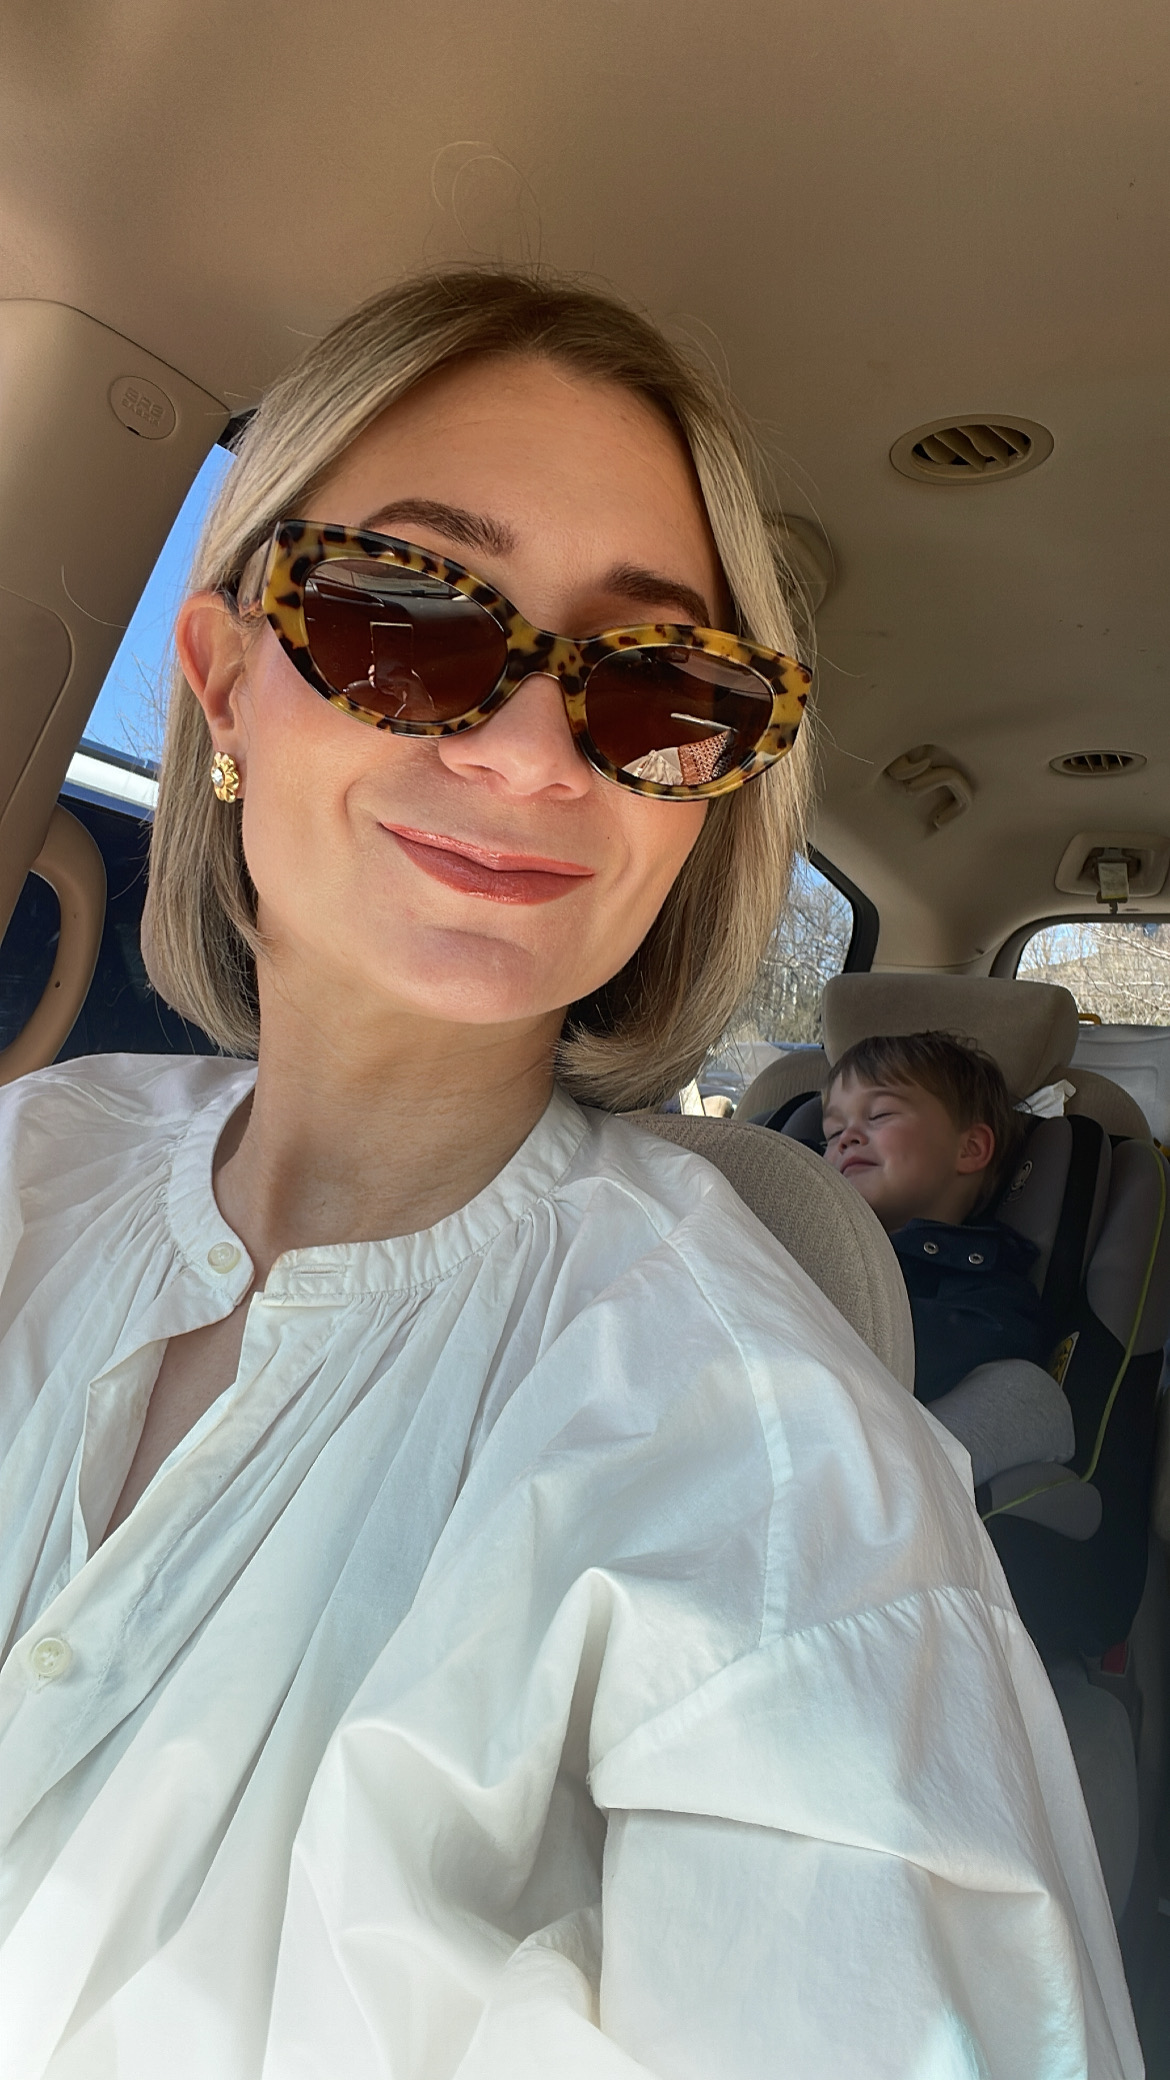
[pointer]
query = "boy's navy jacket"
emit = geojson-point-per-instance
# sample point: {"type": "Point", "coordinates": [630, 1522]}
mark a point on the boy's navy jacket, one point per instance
{"type": "Point", "coordinates": [970, 1297]}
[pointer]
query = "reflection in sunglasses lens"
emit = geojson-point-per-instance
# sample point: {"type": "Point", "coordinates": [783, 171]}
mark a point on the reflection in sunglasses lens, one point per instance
{"type": "Point", "coordinates": [400, 644]}
{"type": "Point", "coordinates": [676, 716]}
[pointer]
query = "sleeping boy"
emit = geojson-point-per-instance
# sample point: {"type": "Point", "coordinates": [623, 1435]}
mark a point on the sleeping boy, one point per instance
{"type": "Point", "coordinates": [923, 1126]}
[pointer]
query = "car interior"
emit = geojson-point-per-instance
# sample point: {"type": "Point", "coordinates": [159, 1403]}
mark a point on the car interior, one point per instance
{"type": "Point", "coordinates": [926, 248]}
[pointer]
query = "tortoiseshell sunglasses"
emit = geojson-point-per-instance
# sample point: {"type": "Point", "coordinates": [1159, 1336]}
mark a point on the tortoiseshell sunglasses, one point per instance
{"type": "Point", "coordinates": [411, 643]}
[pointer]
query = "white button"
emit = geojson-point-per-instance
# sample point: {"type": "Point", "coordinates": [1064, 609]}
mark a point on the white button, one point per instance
{"type": "Point", "coordinates": [930, 1249]}
{"type": "Point", "coordinates": [223, 1256]}
{"type": "Point", "coordinates": [50, 1658]}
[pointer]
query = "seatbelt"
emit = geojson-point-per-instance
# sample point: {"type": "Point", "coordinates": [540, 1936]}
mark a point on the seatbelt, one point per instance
{"type": "Point", "coordinates": [1066, 1265]}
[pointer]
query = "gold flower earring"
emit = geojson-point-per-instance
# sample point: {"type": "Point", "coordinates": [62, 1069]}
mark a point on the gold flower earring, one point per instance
{"type": "Point", "coordinates": [225, 776]}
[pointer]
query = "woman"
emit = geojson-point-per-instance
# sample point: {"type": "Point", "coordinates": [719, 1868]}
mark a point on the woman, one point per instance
{"type": "Point", "coordinates": [473, 1607]}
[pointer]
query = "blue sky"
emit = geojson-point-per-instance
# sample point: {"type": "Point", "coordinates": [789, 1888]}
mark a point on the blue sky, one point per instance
{"type": "Point", "coordinates": [127, 714]}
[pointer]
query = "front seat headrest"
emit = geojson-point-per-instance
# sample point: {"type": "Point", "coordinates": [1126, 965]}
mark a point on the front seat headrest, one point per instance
{"type": "Point", "coordinates": [1029, 1028]}
{"type": "Point", "coordinates": [819, 1218]}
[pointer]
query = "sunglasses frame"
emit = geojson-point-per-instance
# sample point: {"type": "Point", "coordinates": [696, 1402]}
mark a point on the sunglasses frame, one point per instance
{"type": "Point", "coordinates": [274, 581]}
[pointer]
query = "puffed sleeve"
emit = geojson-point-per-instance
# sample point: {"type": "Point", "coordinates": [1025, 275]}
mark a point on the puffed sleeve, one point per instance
{"type": "Point", "coordinates": [841, 1856]}
{"type": "Point", "coordinates": [856, 1851]}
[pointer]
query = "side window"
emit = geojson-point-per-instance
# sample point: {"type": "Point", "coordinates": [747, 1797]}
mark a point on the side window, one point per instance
{"type": "Point", "coordinates": [127, 717]}
{"type": "Point", "coordinates": [1118, 971]}
{"type": "Point", "coordinates": [810, 945]}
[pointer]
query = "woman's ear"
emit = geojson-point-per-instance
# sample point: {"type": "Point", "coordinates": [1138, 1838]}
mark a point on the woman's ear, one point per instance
{"type": "Point", "coordinates": [210, 644]}
{"type": "Point", "coordinates": [976, 1149]}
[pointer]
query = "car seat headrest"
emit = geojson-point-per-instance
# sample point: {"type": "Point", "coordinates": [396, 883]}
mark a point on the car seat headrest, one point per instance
{"type": "Point", "coordinates": [804, 1123]}
{"type": "Point", "coordinates": [1029, 1028]}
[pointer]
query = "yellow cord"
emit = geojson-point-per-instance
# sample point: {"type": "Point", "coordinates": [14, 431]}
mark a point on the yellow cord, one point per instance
{"type": "Point", "coordinates": [1091, 1468]}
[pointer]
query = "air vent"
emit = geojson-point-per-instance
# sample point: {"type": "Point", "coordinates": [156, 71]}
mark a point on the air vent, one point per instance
{"type": "Point", "coordinates": [971, 451]}
{"type": "Point", "coordinates": [1097, 765]}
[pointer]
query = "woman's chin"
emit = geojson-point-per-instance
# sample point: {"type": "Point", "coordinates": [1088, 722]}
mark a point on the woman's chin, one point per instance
{"type": "Point", "coordinates": [470, 983]}
{"type": "Point", "coordinates": [475, 978]}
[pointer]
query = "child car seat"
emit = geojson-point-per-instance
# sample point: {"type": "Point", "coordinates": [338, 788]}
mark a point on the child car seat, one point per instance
{"type": "Point", "coordinates": [1093, 1200]}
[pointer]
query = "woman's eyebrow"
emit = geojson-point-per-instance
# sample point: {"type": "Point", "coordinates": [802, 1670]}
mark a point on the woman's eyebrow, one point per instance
{"type": "Point", "coordinates": [479, 531]}
{"type": "Point", "coordinates": [470, 530]}
{"type": "Point", "coordinates": [651, 589]}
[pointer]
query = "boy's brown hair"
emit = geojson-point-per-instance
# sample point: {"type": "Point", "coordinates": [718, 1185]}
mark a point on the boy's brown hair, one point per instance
{"type": "Point", "coordinates": [965, 1080]}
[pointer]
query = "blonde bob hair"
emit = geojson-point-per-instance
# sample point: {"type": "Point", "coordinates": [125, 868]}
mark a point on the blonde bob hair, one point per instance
{"type": "Point", "coordinates": [647, 1031]}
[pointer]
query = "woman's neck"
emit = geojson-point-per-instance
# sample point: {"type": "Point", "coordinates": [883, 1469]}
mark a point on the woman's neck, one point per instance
{"type": "Point", "coordinates": [364, 1126]}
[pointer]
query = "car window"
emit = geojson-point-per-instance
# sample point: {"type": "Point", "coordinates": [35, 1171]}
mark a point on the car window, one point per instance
{"type": "Point", "coordinates": [127, 716]}
{"type": "Point", "coordinates": [1118, 969]}
{"type": "Point", "coordinates": [808, 947]}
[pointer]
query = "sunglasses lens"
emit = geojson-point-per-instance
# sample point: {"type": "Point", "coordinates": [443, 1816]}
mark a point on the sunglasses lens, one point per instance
{"type": "Point", "coordinates": [399, 644]}
{"type": "Point", "coordinates": [677, 716]}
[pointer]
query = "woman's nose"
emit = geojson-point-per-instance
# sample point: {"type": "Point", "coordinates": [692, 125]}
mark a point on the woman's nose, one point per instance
{"type": "Point", "coordinates": [527, 746]}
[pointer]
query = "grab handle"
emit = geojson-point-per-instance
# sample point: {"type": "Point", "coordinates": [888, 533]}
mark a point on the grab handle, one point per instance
{"type": "Point", "coordinates": [916, 773]}
{"type": "Point", "coordinates": [72, 865]}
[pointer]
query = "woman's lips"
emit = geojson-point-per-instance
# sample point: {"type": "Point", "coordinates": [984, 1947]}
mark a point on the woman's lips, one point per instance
{"type": "Point", "coordinates": [502, 877]}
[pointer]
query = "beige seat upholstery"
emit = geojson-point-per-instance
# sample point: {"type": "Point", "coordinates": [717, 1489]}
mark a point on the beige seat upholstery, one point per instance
{"type": "Point", "coordinates": [1099, 1098]}
{"type": "Point", "coordinates": [1030, 1029]}
{"type": "Point", "coordinates": [820, 1220]}
{"type": "Point", "coordinates": [798, 1070]}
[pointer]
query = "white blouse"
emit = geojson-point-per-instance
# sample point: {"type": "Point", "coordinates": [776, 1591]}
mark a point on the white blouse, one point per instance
{"type": "Point", "coordinates": [562, 1654]}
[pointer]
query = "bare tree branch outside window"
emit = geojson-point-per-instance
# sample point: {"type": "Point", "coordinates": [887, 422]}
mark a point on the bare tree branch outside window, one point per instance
{"type": "Point", "coordinates": [1119, 970]}
{"type": "Point", "coordinates": [783, 1008]}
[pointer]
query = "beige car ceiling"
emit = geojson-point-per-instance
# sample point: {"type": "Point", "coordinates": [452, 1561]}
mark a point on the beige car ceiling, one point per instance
{"type": "Point", "coordinates": [875, 214]}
